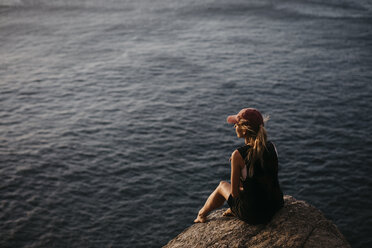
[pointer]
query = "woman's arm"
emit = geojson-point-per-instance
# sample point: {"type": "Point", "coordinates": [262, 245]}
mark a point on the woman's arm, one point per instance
{"type": "Point", "coordinates": [236, 165]}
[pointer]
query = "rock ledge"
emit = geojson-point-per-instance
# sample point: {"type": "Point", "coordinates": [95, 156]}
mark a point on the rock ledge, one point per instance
{"type": "Point", "coordinates": [297, 224]}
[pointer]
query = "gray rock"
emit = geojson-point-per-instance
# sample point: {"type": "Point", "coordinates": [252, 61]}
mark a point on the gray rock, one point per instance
{"type": "Point", "coordinates": [297, 224]}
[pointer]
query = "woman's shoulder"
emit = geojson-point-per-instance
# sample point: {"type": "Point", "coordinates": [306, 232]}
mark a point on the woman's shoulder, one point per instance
{"type": "Point", "coordinates": [243, 150]}
{"type": "Point", "coordinates": [270, 147]}
{"type": "Point", "coordinates": [271, 155]}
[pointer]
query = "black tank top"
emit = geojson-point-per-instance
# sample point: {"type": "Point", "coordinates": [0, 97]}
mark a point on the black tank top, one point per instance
{"type": "Point", "coordinates": [262, 195]}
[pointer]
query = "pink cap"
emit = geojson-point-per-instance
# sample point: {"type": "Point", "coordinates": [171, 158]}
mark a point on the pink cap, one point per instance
{"type": "Point", "coordinates": [251, 115]}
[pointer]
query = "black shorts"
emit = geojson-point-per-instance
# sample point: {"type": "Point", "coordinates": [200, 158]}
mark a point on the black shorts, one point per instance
{"type": "Point", "coordinates": [244, 211]}
{"type": "Point", "coordinates": [235, 205]}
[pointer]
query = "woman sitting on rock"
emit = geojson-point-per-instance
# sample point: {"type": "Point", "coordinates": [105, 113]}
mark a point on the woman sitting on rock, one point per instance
{"type": "Point", "coordinates": [254, 194]}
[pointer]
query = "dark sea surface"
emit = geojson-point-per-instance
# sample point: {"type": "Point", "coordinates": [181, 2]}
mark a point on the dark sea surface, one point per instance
{"type": "Point", "coordinates": [113, 113]}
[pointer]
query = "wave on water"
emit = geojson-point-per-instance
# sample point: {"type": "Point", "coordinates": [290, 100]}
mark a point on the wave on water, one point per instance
{"type": "Point", "coordinates": [10, 3]}
{"type": "Point", "coordinates": [38, 4]}
{"type": "Point", "coordinates": [46, 3]}
{"type": "Point", "coordinates": [282, 9]}
{"type": "Point", "coordinates": [92, 6]}
{"type": "Point", "coordinates": [325, 10]}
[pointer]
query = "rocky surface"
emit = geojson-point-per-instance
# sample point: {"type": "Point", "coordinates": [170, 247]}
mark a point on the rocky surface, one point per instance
{"type": "Point", "coordinates": [297, 224]}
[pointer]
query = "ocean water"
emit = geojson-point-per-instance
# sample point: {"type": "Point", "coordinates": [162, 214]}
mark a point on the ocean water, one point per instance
{"type": "Point", "coordinates": [113, 113]}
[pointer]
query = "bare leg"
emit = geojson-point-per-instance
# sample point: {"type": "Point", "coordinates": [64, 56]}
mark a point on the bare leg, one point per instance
{"type": "Point", "coordinates": [215, 200]}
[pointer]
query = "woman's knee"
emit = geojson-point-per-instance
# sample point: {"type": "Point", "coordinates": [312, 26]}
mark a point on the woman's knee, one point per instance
{"type": "Point", "coordinates": [224, 189]}
{"type": "Point", "coordinates": [223, 183]}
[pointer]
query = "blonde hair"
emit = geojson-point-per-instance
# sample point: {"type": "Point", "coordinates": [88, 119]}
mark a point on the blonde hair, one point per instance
{"type": "Point", "coordinates": [257, 141]}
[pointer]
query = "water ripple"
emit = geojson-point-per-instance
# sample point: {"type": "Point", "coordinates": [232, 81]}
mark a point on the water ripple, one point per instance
{"type": "Point", "coordinates": [112, 118]}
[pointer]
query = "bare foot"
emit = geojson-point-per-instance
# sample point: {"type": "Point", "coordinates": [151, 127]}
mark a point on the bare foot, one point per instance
{"type": "Point", "coordinates": [200, 219]}
{"type": "Point", "coordinates": [228, 212]}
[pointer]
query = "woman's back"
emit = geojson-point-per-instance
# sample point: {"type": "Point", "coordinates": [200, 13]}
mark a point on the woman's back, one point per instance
{"type": "Point", "coordinates": [262, 195]}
